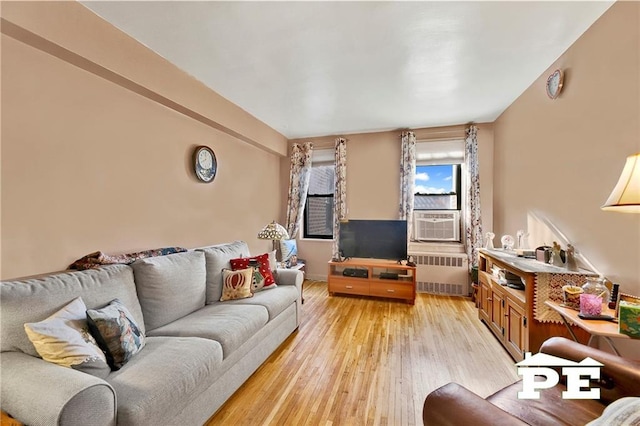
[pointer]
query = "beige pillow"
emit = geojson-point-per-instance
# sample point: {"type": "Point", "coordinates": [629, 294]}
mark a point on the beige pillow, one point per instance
{"type": "Point", "coordinates": [236, 284]}
{"type": "Point", "coordinates": [64, 339]}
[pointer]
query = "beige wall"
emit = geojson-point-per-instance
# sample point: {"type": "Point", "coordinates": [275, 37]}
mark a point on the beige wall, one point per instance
{"type": "Point", "coordinates": [97, 138]}
{"type": "Point", "coordinates": [373, 181]}
{"type": "Point", "coordinates": [559, 159]}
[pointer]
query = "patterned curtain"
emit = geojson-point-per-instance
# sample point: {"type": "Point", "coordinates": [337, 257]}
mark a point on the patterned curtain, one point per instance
{"type": "Point", "coordinates": [298, 185]}
{"type": "Point", "coordinates": [340, 194]}
{"type": "Point", "coordinates": [407, 178]}
{"type": "Point", "coordinates": [472, 219]}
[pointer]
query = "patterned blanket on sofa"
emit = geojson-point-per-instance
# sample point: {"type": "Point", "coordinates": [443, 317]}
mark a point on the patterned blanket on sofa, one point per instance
{"type": "Point", "coordinates": [98, 258]}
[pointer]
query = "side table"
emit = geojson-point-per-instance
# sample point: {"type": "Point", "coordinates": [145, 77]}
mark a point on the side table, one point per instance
{"type": "Point", "coordinates": [596, 328]}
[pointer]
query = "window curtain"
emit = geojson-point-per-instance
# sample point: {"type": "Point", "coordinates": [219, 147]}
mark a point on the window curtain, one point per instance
{"type": "Point", "coordinates": [298, 185]}
{"type": "Point", "coordinates": [340, 194]}
{"type": "Point", "coordinates": [473, 219]}
{"type": "Point", "coordinates": [407, 178]}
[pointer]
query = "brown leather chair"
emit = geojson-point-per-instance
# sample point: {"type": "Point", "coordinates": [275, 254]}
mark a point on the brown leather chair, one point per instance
{"type": "Point", "coordinates": [453, 404]}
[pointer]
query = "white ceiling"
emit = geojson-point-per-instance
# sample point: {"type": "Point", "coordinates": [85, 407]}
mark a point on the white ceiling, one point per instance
{"type": "Point", "coordinates": [326, 68]}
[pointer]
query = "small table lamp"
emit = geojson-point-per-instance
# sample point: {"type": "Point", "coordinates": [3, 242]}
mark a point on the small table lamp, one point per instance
{"type": "Point", "coordinates": [275, 232]}
{"type": "Point", "coordinates": [625, 197]}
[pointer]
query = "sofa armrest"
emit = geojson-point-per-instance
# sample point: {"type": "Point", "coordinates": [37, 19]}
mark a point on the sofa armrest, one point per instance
{"type": "Point", "coordinates": [453, 405]}
{"type": "Point", "coordinates": [37, 392]}
{"type": "Point", "coordinates": [290, 277]}
{"type": "Point", "coordinates": [295, 278]}
{"type": "Point", "coordinates": [619, 377]}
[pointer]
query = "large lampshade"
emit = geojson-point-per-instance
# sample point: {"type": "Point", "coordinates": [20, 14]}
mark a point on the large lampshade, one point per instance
{"type": "Point", "coordinates": [273, 231]}
{"type": "Point", "coordinates": [625, 197]}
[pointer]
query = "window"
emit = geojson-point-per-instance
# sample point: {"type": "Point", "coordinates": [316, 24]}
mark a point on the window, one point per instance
{"type": "Point", "coordinates": [437, 187]}
{"type": "Point", "coordinates": [438, 183]}
{"type": "Point", "coordinates": [318, 212]}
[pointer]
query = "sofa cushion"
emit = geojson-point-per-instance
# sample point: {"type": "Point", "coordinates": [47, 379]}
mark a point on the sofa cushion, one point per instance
{"type": "Point", "coordinates": [32, 300]}
{"type": "Point", "coordinates": [64, 339]}
{"type": "Point", "coordinates": [229, 324]}
{"type": "Point", "coordinates": [116, 332]}
{"type": "Point", "coordinates": [275, 300]}
{"type": "Point", "coordinates": [236, 284]}
{"type": "Point", "coordinates": [261, 262]}
{"type": "Point", "coordinates": [550, 409]}
{"type": "Point", "coordinates": [170, 287]}
{"type": "Point", "coordinates": [217, 258]}
{"type": "Point", "coordinates": [164, 377]}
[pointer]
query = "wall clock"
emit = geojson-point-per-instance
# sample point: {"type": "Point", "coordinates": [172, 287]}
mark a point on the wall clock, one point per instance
{"type": "Point", "coordinates": [205, 163]}
{"type": "Point", "coordinates": [554, 83]}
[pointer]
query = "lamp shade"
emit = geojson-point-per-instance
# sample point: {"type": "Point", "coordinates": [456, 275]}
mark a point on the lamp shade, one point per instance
{"type": "Point", "coordinates": [625, 197]}
{"type": "Point", "coordinates": [273, 231]}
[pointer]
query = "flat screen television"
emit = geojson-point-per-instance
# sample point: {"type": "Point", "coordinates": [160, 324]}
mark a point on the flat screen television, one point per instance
{"type": "Point", "coordinates": [377, 239]}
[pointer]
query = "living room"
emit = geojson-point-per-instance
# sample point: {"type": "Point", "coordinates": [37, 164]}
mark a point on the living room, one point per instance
{"type": "Point", "coordinates": [98, 133]}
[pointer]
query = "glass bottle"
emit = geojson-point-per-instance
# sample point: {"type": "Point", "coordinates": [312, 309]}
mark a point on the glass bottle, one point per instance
{"type": "Point", "coordinates": [594, 295]}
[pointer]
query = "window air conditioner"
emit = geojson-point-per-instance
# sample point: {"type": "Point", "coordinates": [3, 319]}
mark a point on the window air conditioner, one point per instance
{"type": "Point", "coordinates": [436, 225]}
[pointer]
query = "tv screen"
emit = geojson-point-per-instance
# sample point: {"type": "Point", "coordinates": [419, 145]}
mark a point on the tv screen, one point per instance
{"type": "Point", "coordinates": [377, 239]}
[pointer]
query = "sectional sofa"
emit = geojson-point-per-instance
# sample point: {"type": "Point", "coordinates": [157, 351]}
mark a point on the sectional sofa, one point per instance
{"type": "Point", "coordinates": [197, 350]}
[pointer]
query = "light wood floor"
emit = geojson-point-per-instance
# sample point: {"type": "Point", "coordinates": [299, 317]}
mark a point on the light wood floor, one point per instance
{"type": "Point", "coordinates": [357, 361]}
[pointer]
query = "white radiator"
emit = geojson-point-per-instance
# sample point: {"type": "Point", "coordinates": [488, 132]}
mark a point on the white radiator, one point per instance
{"type": "Point", "coordinates": [436, 225]}
{"type": "Point", "coordinates": [442, 273]}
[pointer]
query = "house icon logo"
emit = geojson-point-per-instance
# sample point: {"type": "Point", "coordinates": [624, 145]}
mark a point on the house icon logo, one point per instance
{"type": "Point", "coordinates": [577, 374]}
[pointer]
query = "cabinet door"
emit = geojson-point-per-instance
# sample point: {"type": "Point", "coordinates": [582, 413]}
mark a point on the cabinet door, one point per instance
{"type": "Point", "coordinates": [484, 293]}
{"type": "Point", "coordinates": [497, 311]}
{"type": "Point", "coordinates": [515, 333]}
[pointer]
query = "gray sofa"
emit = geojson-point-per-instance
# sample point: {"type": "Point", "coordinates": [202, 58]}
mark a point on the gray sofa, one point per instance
{"type": "Point", "coordinates": [198, 351]}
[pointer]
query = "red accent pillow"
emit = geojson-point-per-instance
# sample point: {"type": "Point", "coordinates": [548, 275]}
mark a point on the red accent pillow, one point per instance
{"type": "Point", "coordinates": [263, 267]}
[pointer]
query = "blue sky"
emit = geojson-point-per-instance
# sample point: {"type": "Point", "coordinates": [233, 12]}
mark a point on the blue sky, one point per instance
{"type": "Point", "coordinates": [434, 179]}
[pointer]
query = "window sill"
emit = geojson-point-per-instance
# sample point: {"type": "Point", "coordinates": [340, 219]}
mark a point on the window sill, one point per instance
{"type": "Point", "coordinates": [319, 240]}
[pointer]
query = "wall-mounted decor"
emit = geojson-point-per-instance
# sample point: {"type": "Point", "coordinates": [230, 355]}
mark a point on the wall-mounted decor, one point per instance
{"type": "Point", "coordinates": [554, 83]}
{"type": "Point", "coordinates": [205, 163]}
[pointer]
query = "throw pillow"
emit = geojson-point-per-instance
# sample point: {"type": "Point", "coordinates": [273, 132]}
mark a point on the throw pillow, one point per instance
{"type": "Point", "coordinates": [262, 262]}
{"type": "Point", "coordinates": [288, 248]}
{"type": "Point", "coordinates": [622, 412]}
{"type": "Point", "coordinates": [236, 284]}
{"type": "Point", "coordinates": [64, 339]}
{"type": "Point", "coordinates": [116, 332]}
{"type": "Point", "coordinates": [217, 258]}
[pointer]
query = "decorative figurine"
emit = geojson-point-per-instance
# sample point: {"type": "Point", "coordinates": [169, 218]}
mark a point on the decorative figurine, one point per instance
{"type": "Point", "coordinates": [507, 242]}
{"type": "Point", "coordinates": [571, 258]}
{"type": "Point", "coordinates": [522, 239]}
{"type": "Point", "coordinates": [556, 258]}
{"type": "Point", "coordinates": [488, 240]}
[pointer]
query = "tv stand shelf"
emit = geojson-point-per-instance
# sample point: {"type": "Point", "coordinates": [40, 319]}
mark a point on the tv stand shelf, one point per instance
{"type": "Point", "coordinates": [404, 287]}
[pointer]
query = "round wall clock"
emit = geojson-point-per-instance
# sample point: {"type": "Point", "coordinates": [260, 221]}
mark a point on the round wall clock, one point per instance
{"type": "Point", "coordinates": [554, 83]}
{"type": "Point", "coordinates": [205, 163]}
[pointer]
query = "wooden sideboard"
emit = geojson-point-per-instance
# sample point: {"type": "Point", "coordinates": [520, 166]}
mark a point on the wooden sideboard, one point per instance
{"type": "Point", "coordinates": [404, 287]}
{"type": "Point", "coordinates": [510, 313]}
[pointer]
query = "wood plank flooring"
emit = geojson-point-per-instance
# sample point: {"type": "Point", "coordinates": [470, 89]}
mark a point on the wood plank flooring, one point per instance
{"type": "Point", "coordinates": [366, 361]}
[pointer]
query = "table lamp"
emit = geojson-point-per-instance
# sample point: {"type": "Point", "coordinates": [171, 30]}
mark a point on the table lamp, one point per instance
{"type": "Point", "coordinates": [274, 232]}
{"type": "Point", "coordinates": [625, 197]}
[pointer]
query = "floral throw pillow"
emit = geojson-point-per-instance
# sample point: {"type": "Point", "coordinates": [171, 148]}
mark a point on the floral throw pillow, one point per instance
{"type": "Point", "coordinates": [116, 332]}
{"type": "Point", "coordinates": [236, 284]}
{"type": "Point", "coordinates": [64, 339]}
{"type": "Point", "coordinates": [262, 265]}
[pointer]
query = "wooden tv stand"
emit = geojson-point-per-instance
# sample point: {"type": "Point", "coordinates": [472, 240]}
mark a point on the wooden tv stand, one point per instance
{"type": "Point", "coordinates": [372, 284]}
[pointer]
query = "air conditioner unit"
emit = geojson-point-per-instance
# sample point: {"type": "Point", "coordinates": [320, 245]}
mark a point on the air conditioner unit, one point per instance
{"type": "Point", "coordinates": [436, 225]}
